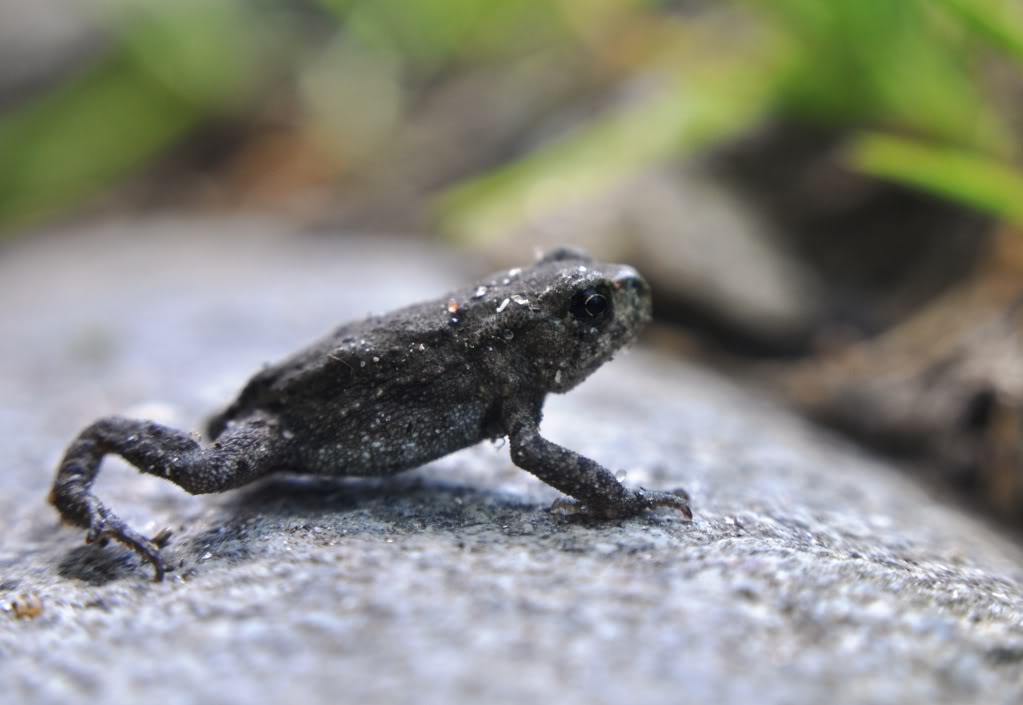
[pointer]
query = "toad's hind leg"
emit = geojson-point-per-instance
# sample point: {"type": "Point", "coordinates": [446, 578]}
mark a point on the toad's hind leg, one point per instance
{"type": "Point", "coordinates": [250, 449]}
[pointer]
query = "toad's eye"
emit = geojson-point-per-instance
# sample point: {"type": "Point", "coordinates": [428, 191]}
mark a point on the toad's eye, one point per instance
{"type": "Point", "coordinates": [591, 303]}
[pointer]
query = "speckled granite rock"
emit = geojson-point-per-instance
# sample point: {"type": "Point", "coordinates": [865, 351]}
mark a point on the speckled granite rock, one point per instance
{"type": "Point", "coordinates": [811, 574]}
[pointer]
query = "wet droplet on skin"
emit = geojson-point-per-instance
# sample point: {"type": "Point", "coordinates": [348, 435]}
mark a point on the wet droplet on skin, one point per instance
{"type": "Point", "coordinates": [557, 377]}
{"type": "Point", "coordinates": [452, 306]}
{"type": "Point", "coordinates": [508, 334]}
{"type": "Point", "coordinates": [520, 300]}
{"type": "Point", "coordinates": [376, 359]}
{"type": "Point", "coordinates": [506, 280]}
{"type": "Point", "coordinates": [362, 363]}
{"type": "Point", "coordinates": [515, 272]}
{"type": "Point", "coordinates": [423, 347]}
{"type": "Point", "coordinates": [480, 292]}
{"type": "Point", "coordinates": [582, 268]}
{"type": "Point", "coordinates": [621, 475]}
{"type": "Point", "coordinates": [503, 306]}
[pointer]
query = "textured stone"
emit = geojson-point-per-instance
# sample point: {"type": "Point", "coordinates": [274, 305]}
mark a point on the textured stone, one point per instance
{"type": "Point", "coordinates": [812, 573]}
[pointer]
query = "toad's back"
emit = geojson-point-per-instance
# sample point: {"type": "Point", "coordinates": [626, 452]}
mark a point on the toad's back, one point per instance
{"type": "Point", "coordinates": [374, 397]}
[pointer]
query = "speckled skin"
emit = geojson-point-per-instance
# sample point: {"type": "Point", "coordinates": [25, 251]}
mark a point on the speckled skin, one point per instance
{"type": "Point", "coordinates": [393, 392]}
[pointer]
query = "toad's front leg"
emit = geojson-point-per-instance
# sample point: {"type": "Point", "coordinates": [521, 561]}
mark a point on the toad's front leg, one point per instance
{"type": "Point", "coordinates": [248, 450]}
{"type": "Point", "coordinates": [577, 476]}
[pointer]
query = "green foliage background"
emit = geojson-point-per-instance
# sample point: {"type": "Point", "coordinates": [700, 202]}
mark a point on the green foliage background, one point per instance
{"type": "Point", "coordinates": [923, 89]}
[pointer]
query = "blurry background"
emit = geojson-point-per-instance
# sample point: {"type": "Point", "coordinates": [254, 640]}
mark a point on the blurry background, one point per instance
{"type": "Point", "coordinates": [824, 195]}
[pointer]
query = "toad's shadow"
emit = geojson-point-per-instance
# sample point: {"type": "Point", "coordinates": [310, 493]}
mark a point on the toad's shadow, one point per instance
{"type": "Point", "coordinates": [332, 508]}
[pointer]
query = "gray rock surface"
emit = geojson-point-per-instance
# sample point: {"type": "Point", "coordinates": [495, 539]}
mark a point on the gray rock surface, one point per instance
{"type": "Point", "coordinates": [812, 573]}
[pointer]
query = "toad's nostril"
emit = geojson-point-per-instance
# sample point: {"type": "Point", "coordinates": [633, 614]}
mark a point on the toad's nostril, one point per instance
{"type": "Point", "coordinates": [628, 278]}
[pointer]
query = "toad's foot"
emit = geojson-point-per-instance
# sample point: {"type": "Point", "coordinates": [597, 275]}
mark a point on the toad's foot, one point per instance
{"type": "Point", "coordinates": [247, 451]}
{"type": "Point", "coordinates": [110, 527]}
{"type": "Point", "coordinates": [634, 503]}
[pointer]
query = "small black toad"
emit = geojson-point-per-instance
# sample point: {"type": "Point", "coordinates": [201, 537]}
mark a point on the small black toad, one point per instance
{"type": "Point", "coordinates": [392, 392]}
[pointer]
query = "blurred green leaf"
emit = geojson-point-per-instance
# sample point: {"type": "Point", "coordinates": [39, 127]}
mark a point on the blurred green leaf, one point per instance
{"type": "Point", "coordinates": [429, 33]}
{"type": "Point", "coordinates": [885, 64]}
{"type": "Point", "coordinates": [204, 52]}
{"type": "Point", "coordinates": [906, 65]}
{"type": "Point", "coordinates": [687, 115]}
{"type": "Point", "coordinates": [77, 139]}
{"type": "Point", "coordinates": [999, 23]}
{"type": "Point", "coordinates": [958, 174]}
{"type": "Point", "coordinates": [173, 65]}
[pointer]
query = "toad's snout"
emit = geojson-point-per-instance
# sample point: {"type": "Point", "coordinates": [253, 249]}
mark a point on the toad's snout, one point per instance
{"type": "Point", "coordinates": [628, 278]}
{"type": "Point", "coordinates": [633, 294]}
